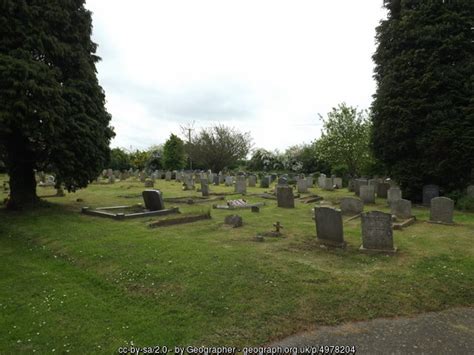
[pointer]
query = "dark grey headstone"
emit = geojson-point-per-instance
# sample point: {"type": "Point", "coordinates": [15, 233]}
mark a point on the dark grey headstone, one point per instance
{"type": "Point", "coordinates": [285, 197]}
{"type": "Point", "coordinates": [429, 192]}
{"type": "Point", "coordinates": [358, 183]}
{"type": "Point", "coordinates": [204, 187]}
{"type": "Point", "coordinates": [394, 194]}
{"type": "Point", "coordinates": [337, 181]}
{"type": "Point", "coordinates": [367, 194]}
{"type": "Point", "coordinates": [252, 181]}
{"type": "Point", "coordinates": [401, 208]}
{"type": "Point", "coordinates": [153, 200]}
{"type": "Point", "coordinates": [265, 182]}
{"type": "Point", "coordinates": [382, 189]}
{"type": "Point", "coordinates": [350, 185]}
{"type": "Point", "coordinates": [233, 220]}
{"type": "Point", "coordinates": [377, 232]}
{"type": "Point", "coordinates": [441, 210]}
{"type": "Point", "coordinates": [309, 182]}
{"type": "Point", "coordinates": [240, 185]}
{"type": "Point", "coordinates": [329, 226]}
{"type": "Point", "coordinates": [351, 205]}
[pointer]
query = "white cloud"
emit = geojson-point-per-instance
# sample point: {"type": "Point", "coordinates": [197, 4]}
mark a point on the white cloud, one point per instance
{"type": "Point", "coordinates": [262, 66]}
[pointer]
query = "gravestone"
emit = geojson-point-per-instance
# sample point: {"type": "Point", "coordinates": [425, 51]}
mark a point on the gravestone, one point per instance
{"type": "Point", "coordinates": [470, 191]}
{"type": "Point", "coordinates": [302, 186]}
{"type": "Point", "coordinates": [401, 208]}
{"type": "Point", "coordinates": [285, 197]}
{"type": "Point", "coordinates": [374, 183]}
{"type": "Point", "coordinates": [282, 181]}
{"type": "Point", "coordinates": [204, 187]}
{"type": "Point", "coordinates": [393, 194]}
{"type": "Point", "coordinates": [441, 210]}
{"type": "Point", "coordinates": [351, 205]}
{"type": "Point", "coordinates": [168, 176]}
{"type": "Point", "coordinates": [429, 192]}
{"type": "Point", "coordinates": [350, 185]}
{"type": "Point", "coordinates": [153, 200]}
{"type": "Point", "coordinates": [329, 226]}
{"type": "Point", "coordinates": [377, 234]}
{"type": "Point", "coordinates": [240, 185]}
{"type": "Point", "coordinates": [215, 180]}
{"type": "Point", "coordinates": [337, 181]}
{"type": "Point", "coordinates": [252, 181]}
{"type": "Point", "coordinates": [265, 182]}
{"type": "Point", "coordinates": [111, 179]}
{"type": "Point", "coordinates": [321, 180]}
{"type": "Point", "coordinates": [382, 189]}
{"type": "Point", "coordinates": [327, 184]}
{"type": "Point", "coordinates": [233, 220]}
{"type": "Point", "coordinates": [358, 183]}
{"type": "Point", "coordinates": [221, 178]}
{"type": "Point", "coordinates": [367, 194]}
{"type": "Point", "coordinates": [309, 182]}
{"type": "Point", "coordinates": [149, 183]}
{"type": "Point", "coordinates": [229, 181]}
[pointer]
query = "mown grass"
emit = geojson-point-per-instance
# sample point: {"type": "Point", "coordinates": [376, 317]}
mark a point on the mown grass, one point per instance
{"type": "Point", "coordinates": [85, 284]}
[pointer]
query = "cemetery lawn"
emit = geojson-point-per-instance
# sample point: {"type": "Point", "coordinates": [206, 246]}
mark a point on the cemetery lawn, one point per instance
{"type": "Point", "coordinates": [87, 284]}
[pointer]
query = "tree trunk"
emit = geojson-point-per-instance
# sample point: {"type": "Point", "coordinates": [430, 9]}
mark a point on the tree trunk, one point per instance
{"type": "Point", "coordinates": [20, 166]}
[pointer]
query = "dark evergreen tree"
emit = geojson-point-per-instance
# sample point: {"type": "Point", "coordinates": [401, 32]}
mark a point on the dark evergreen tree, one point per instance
{"type": "Point", "coordinates": [173, 153]}
{"type": "Point", "coordinates": [52, 114]}
{"type": "Point", "coordinates": [423, 116]}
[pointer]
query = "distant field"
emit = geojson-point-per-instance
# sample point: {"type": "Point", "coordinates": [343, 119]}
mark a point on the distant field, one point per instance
{"type": "Point", "coordinates": [86, 284]}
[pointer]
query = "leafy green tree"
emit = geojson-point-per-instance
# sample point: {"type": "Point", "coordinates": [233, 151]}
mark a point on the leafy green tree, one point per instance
{"type": "Point", "coordinates": [139, 159]}
{"type": "Point", "coordinates": [345, 140]}
{"type": "Point", "coordinates": [119, 159]}
{"type": "Point", "coordinates": [173, 153]}
{"type": "Point", "coordinates": [219, 147]}
{"type": "Point", "coordinates": [423, 111]}
{"type": "Point", "coordinates": [155, 157]}
{"type": "Point", "coordinates": [52, 113]}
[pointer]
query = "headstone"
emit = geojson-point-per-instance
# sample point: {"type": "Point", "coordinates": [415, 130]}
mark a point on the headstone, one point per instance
{"type": "Point", "coordinates": [233, 220]}
{"type": "Point", "coordinates": [188, 182]}
{"type": "Point", "coordinates": [329, 226]}
{"type": "Point", "coordinates": [358, 183]}
{"type": "Point", "coordinates": [350, 185]}
{"type": "Point", "coordinates": [153, 200]}
{"type": "Point", "coordinates": [168, 176]}
{"type": "Point", "coordinates": [393, 194]}
{"type": "Point", "coordinates": [441, 210]}
{"type": "Point", "coordinates": [309, 182]}
{"type": "Point", "coordinates": [215, 180]}
{"type": "Point", "coordinates": [240, 185]}
{"type": "Point", "coordinates": [149, 183]}
{"type": "Point", "coordinates": [265, 182]}
{"type": "Point", "coordinates": [377, 234]}
{"type": "Point", "coordinates": [351, 205]}
{"type": "Point", "coordinates": [374, 183]}
{"type": "Point", "coordinates": [205, 187]}
{"type": "Point", "coordinates": [111, 179]}
{"type": "Point", "coordinates": [429, 192]}
{"type": "Point", "coordinates": [327, 184]}
{"type": "Point", "coordinates": [401, 209]}
{"type": "Point", "coordinates": [382, 189]}
{"type": "Point", "coordinates": [337, 181]}
{"type": "Point", "coordinates": [229, 181]}
{"type": "Point", "coordinates": [282, 181]}
{"type": "Point", "coordinates": [302, 186]}
{"type": "Point", "coordinates": [367, 193]}
{"type": "Point", "coordinates": [470, 191]}
{"type": "Point", "coordinates": [285, 197]}
{"type": "Point", "coordinates": [221, 178]}
{"type": "Point", "coordinates": [252, 181]}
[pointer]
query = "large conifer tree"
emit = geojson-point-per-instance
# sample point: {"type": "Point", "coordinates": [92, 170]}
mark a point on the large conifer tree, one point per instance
{"type": "Point", "coordinates": [52, 114]}
{"type": "Point", "coordinates": [423, 108]}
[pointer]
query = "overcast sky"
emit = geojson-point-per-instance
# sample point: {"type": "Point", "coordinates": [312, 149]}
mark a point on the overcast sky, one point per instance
{"type": "Point", "coordinates": [268, 67]}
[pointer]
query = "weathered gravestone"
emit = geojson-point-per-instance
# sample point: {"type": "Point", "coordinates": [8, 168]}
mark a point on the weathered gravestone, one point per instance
{"type": "Point", "coordinates": [393, 194]}
{"type": "Point", "coordinates": [252, 181]}
{"type": "Point", "coordinates": [153, 200]}
{"type": "Point", "coordinates": [265, 182]}
{"type": "Point", "coordinates": [111, 179]}
{"type": "Point", "coordinates": [309, 182]}
{"type": "Point", "coordinates": [204, 187]}
{"type": "Point", "coordinates": [358, 183]}
{"type": "Point", "coordinates": [429, 192]}
{"type": "Point", "coordinates": [351, 205]}
{"type": "Point", "coordinates": [221, 178]}
{"type": "Point", "coordinates": [382, 189]}
{"type": "Point", "coordinates": [321, 180]}
{"type": "Point", "coordinates": [337, 181]}
{"type": "Point", "coordinates": [377, 234]}
{"type": "Point", "coordinates": [327, 184]}
{"type": "Point", "coordinates": [401, 209]}
{"type": "Point", "coordinates": [229, 181]}
{"type": "Point", "coordinates": [441, 210]}
{"type": "Point", "coordinates": [367, 194]}
{"type": "Point", "coordinates": [470, 191]}
{"type": "Point", "coordinates": [240, 185]}
{"type": "Point", "coordinates": [329, 226]}
{"type": "Point", "coordinates": [350, 185]}
{"type": "Point", "coordinates": [233, 220]}
{"type": "Point", "coordinates": [285, 197]}
{"type": "Point", "coordinates": [302, 186]}
{"type": "Point", "coordinates": [215, 180]}
{"type": "Point", "coordinates": [168, 176]}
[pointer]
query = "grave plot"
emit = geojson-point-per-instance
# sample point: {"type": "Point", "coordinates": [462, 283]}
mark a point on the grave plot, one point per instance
{"type": "Point", "coordinates": [401, 214]}
{"type": "Point", "coordinates": [154, 206]}
{"type": "Point", "coordinates": [184, 219]}
{"type": "Point", "coordinates": [238, 204]}
{"type": "Point", "coordinates": [310, 199]}
{"type": "Point", "coordinates": [190, 200]}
